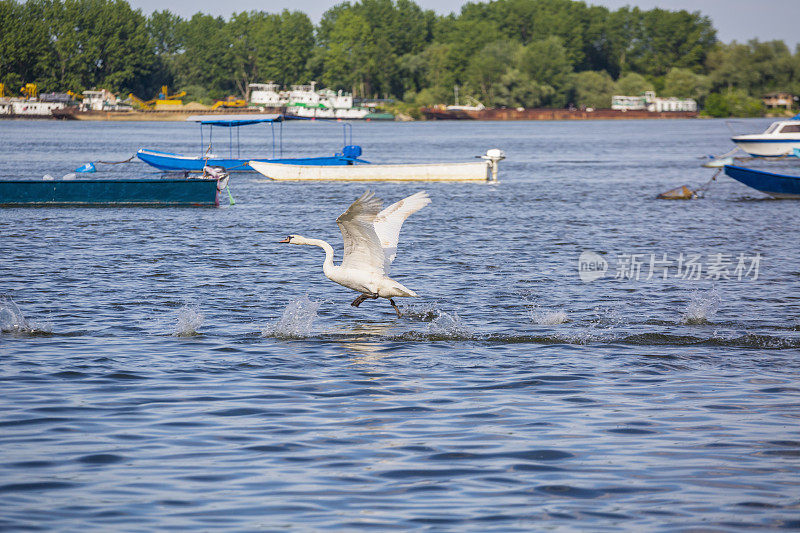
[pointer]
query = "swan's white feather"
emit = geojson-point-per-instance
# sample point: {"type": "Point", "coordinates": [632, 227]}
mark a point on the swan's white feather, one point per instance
{"type": "Point", "coordinates": [389, 221]}
{"type": "Point", "coordinates": [362, 248]}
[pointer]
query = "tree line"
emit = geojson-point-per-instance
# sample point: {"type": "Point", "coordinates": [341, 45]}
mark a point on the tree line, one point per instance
{"type": "Point", "coordinates": [514, 53]}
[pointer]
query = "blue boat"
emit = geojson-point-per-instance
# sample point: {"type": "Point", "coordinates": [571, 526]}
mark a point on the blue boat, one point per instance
{"type": "Point", "coordinates": [776, 185]}
{"type": "Point", "coordinates": [172, 162]}
{"type": "Point", "coordinates": [201, 192]}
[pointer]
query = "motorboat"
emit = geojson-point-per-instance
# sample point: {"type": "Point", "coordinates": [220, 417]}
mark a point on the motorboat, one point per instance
{"type": "Point", "coordinates": [779, 140]}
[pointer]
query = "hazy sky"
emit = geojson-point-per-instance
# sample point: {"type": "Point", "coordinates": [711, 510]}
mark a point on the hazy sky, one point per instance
{"type": "Point", "coordinates": [739, 20]}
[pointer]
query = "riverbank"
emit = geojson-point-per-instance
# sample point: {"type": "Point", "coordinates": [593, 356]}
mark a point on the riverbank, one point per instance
{"type": "Point", "coordinates": [433, 113]}
{"type": "Point", "coordinates": [439, 113]}
{"type": "Point", "coordinates": [428, 114]}
{"type": "Point", "coordinates": [174, 115]}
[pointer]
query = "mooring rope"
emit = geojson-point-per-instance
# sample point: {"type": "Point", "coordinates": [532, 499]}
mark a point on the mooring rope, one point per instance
{"type": "Point", "coordinates": [707, 184]}
{"type": "Point", "coordinates": [117, 162]}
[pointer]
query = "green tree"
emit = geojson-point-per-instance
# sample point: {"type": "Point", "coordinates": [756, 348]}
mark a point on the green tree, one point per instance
{"type": "Point", "coordinates": [428, 69]}
{"type": "Point", "coordinates": [23, 37]}
{"type": "Point", "coordinates": [755, 67]}
{"type": "Point", "coordinates": [349, 61]}
{"type": "Point", "coordinates": [592, 89]}
{"type": "Point", "coordinates": [684, 83]}
{"type": "Point", "coordinates": [664, 39]}
{"type": "Point", "coordinates": [205, 60]}
{"type": "Point", "coordinates": [633, 84]}
{"type": "Point", "coordinates": [517, 89]}
{"type": "Point", "coordinates": [487, 67]}
{"type": "Point", "coordinates": [92, 43]}
{"type": "Point", "coordinates": [546, 63]}
{"type": "Point", "coordinates": [164, 29]}
{"type": "Point", "coordinates": [733, 103]}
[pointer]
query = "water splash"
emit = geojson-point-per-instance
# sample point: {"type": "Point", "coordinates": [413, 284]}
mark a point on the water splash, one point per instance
{"type": "Point", "coordinates": [426, 312]}
{"type": "Point", "coordinates": [13, 321]}
{"type": "Point", "coordinates": [297, 320]}
{"type": "Point", "coordinates": [540, 315]}
{"type": "Point", "coordinates": [549, 318]}
{"type": "Point", "coordinates": [189, 319]}
{"type": "Point", "coordinates": [449, 325]}
{"type": "Point", "coordinates": [702, 307]}
{"type": "Point", "coordinates": [601, 327]}
{"type": "Point", "coordinates": [439, 324]}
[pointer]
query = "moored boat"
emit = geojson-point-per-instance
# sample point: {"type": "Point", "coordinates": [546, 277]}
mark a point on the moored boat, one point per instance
{"type": "Point", "coordinates": [172, 162]}
{"type": "Point", "coordinates": [485, 170]}
{"type": "Point", "coordinates": [774, 184]}
{"type": "Point", "coordinates": [199, 192]}
{"type": "Point", "coordinates": [779, 140]}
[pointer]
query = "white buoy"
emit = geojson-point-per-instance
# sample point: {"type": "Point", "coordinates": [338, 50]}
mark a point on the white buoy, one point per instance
{"type": "Point", "coordinates": [718, 163]}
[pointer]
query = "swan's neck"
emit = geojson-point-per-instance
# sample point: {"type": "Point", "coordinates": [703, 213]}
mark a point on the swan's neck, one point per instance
{"type": "Point", "coordinates": [327, 266]}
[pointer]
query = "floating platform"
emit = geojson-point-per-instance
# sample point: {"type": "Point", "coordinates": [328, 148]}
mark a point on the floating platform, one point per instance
{"type": "Point", "coordinates": [195, 192]}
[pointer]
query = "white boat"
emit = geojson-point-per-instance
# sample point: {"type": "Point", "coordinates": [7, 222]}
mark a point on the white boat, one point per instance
{"type": "Point", "coordinates": [484, 170]}
{"type": "Point", "coordinates": [779, 140]}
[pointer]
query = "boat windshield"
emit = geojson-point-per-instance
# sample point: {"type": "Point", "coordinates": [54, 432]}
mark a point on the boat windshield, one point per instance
{"type": "Point", "coordinates": [791, 128]}
{"type": "Point", "coordinates": [773, 127]}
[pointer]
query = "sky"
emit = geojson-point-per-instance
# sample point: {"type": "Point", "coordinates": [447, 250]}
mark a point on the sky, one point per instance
{"type": "Point", "coordinates": [739, 20]}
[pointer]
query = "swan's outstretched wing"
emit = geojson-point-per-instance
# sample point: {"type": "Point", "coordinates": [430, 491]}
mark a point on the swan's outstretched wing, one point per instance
{"type": "Point", "coordinates": [390, 220]}
{"type": "Point", "coordinates": [362, 248]}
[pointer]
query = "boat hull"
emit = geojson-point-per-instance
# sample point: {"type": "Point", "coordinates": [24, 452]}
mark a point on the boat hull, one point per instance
{"type": "Point", "coordinates": [767, 147]}
{"type": "Point", "coordinates": [128, 192]}
{"type": "Point", "coordinates": [776, 185]}
{"type": "Point", "coordinates": [170, 162]}
{"type": "Point", "coordinates": [476, 171]}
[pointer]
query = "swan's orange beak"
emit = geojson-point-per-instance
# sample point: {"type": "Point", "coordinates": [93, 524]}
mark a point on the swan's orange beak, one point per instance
{"type": "Point", "coordinates": [286, 240]}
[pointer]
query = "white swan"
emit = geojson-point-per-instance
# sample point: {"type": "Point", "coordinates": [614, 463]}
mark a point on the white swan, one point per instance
{"type": "Point", "coordinates": [370, 245]}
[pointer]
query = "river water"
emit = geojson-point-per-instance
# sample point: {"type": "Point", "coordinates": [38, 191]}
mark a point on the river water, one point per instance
{"type": "Point", "coordinates": [176, 368]}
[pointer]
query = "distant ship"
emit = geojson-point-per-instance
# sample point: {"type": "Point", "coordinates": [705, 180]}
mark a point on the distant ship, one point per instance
{"type": "Point", "coordinates": [622, 107]}
{"type": "Point", "coordinates": [32, 104]}
{"type": "Point", "coordinates": [305, 101]}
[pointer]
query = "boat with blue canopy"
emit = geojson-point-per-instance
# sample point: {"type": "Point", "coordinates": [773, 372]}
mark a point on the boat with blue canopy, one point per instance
{"type": "Point", "coordinates": [173, 162]}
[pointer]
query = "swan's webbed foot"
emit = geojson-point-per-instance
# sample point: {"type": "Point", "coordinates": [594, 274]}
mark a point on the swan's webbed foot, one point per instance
{"type": "Point", "coordinates": [358, 301]}
{"type": "Point", "coordinates": [396, 310]}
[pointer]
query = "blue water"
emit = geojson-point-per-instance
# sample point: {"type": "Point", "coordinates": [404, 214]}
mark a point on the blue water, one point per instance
{"type": "Point", "coordinates": [177, 368]}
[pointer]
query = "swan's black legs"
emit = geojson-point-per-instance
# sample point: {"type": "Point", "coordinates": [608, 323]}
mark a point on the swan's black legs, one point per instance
{"type": "Point", "coordinates": [358, 301]}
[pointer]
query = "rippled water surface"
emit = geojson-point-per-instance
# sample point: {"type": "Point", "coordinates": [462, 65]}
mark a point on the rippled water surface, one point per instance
{"type": "Point", "coordinates": [176, 368]}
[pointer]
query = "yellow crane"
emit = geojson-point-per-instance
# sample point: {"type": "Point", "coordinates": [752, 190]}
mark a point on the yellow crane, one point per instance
{"type": "Point", "coordinates": [229, 102]}
{"type": "Point", "coordinates": [30, 90]}
{"type": "Point", "coordinates": [163, 99]}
